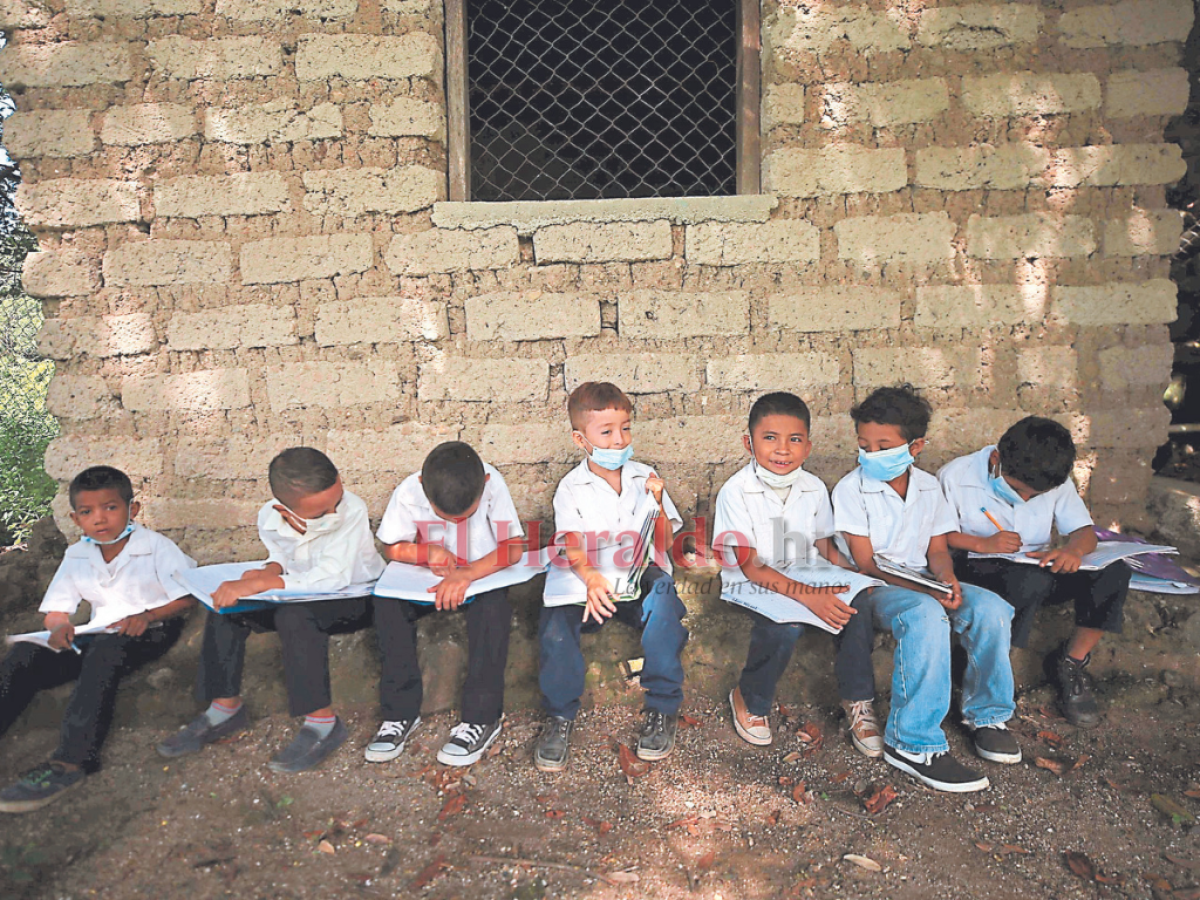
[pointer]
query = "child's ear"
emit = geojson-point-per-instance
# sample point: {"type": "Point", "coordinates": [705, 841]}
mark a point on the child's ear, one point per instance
{"type": "Point", "coordinates": [916, 446]}
{"type": "Point", "coordinates": [75, 519]}
{"type": "Point", "coordinates": [486, 478]}
{"type": "Point", "coordinates": [746, 444]}
{"type": "Point", "coordinates": [134, 509]}
{"type": "Point", "coordinates": [577, 437]}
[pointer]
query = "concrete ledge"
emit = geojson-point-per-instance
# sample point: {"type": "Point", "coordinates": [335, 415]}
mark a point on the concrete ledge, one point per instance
{"type": "Point", "coordinates": [528, 215]}
{"type": "Point", "coordinates": [1175, 506]}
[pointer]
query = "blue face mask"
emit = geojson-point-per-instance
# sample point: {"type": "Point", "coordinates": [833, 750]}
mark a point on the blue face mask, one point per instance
{"type": "Point", "coordinates": [885, 465]}
{"type": "Point", "coordinates": [129, 526]}
{"type": "Point", "coordinates": [1003, 490]}
{"type": "Point", "coordinates": [611, 459]}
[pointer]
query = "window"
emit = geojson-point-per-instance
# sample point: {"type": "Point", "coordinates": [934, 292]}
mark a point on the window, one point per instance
{"type": "Point", "coordinates": [578, 99]}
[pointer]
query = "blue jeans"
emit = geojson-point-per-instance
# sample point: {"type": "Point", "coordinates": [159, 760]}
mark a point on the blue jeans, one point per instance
{"type": "Point", "coordinates": [921, 670]}
{"type": "Point", "coordinates": [771, 645]}
{"type": "Point", "coordinates": [658, 614]}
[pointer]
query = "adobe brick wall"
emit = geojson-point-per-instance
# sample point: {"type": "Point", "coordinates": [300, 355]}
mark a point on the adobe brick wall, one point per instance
{"type": "Point", "coordinates": [244, 246]}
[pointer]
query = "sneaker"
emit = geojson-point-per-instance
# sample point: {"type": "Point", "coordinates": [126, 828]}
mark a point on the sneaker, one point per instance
{"type": "Point", "coordinates": [468, 742]}
{"type": "Point", "coordinates": [752, 729]}
{"type": "Point", "coordinates": [554, 746]}
{"type": "Point", "coordinates": [40, 786]}
{"type": "Point", "coordinates": [390, 739]}
{"type": "Point", "coordinates": [1075, 694]}
{"type": "Point", "coordinates": [940, 771]}
{"type": "Point", "coordinates": [996, 743]}
{"type": "Point", "coordinates": [656, 738]}
{"type": "Point", "coordinates": [308, 749]}
{"type": "Point", "coordinates": [192, 737]}
{"type": "Point", "coordinates": [865, 733]}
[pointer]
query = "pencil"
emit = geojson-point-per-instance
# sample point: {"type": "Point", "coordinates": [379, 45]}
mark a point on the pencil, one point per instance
{"type": "Point", "coordinates": [991, 518]}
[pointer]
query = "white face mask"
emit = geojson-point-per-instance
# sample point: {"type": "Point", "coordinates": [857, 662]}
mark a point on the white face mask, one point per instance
{"type": "Point", "coordinates": [324, 525]}
{"type": "Point", "coordinates": [773, 479]}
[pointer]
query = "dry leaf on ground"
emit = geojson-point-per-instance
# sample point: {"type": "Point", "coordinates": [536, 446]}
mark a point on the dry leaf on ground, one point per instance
{"type": "Point", "coordinates": [1079, 864]}
{"type": "Point", "coordinates": [864, 862]}
{"type": "Point", "coordinates": [453, 807]}
{"type": "Point", "coordinates": [880, 799]}
{"type": "Point", "coordinates": [629, 762]}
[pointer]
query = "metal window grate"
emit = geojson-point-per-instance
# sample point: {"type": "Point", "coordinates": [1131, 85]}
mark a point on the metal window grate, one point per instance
{"type": "Point", "coordinates": [571, 99]}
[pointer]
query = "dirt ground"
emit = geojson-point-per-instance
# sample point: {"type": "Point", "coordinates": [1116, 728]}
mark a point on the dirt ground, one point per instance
{"type": "Point", "coordinates": [718, 819]}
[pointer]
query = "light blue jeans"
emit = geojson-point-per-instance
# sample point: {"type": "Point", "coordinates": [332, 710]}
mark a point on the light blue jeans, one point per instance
{"type": "Point", "coordinates": [921, 666]}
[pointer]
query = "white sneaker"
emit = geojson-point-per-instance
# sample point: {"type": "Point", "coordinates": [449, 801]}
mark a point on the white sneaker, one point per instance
{"type": "Point", "coordinates": [865, 733]}
{"type": "Point", "coordinates": [752, 729]}
{"type": "Point", "coordinates": [389, 741]}
{"type": "Point", "coordinates": [468, 743]}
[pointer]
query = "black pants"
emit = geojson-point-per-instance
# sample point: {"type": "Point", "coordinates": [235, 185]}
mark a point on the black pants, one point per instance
{"type": "Point", "coordinates": [852, 664]}
{"type": "Point", "coordinates": [489, 619]}
{"type": "Point", "coordinates": [304, 630]}
{"type": "Point", "coordinates": [1099, 597]}
{"type": "Point", "coordinates": [106, 659]}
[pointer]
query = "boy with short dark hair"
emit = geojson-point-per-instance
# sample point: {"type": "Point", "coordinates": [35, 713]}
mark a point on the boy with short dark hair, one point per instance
{"type": "Point", "coordinates": [318, 539]}
{"type": "Point", "coordinates": [890, 508]}
{"type": "Point", "coordinates": [594, 506]}
{"type": "Point", "coordinates": [1007, 497]}
{"type": "Point", "coordinates": [456, 517]}
{"type": "Point", "coordinates": [124, 571]}
{"type": "Point", "coordinates": [773, 515]}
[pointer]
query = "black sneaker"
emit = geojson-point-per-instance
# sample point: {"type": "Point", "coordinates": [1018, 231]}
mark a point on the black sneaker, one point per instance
{"type": "Point", "coordinates": [390, 739]}
{"type": "Point", "coordinates": [1075, 694]}
{"type": "Point", "coordinates": [996, 743]}
{"type": "Point", "coordinates": [656, 739]}
{"type": "Point", "coordinates": [940, 771]}
{"type": "Point", "coordinates": [39, 787]}
{"type": "Point", "coordinates": [554, 746]}
{"type": "Point", "coordinates": [468, 742]}
{"type": "Point", "coordinates": [192, 737]}
{"type": "Point", "coordinates": [308, 749]}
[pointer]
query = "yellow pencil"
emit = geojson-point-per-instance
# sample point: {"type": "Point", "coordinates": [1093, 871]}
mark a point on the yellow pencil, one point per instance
{"type": "Point", "coordinates": [991, 518]}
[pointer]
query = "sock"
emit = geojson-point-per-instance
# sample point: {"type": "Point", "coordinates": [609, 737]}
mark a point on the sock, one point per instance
{"type": "Point", "coordinates": [322, 725]}
{"type": "Point", "coordinates": [219, 713]}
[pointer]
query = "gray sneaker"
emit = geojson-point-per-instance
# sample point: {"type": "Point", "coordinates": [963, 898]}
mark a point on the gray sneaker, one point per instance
{"type": "Point", "coordinates": [192, 737]}
{"type": "Point", "coordinates": [656, 738]}
{"type": "Point", "coordinates": [307, 750]}
{"type": "Point", "coordinates": [39, 786]}
{"type": "Point", "coordinates": [554, 746]}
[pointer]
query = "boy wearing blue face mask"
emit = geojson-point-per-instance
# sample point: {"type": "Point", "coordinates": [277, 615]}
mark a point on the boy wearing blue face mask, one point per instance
{"type": "Point", "coordinates": [595, 507]}
{"type": "Point", "coordinates": [889, 507]}
{"type": "Point", "coordinates": [318, 539]}
{"type": "Point", "coordinates": [1007, 497]}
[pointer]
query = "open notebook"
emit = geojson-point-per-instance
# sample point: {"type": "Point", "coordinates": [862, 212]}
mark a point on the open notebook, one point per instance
{"type": "Point", "coordinates": [779, 608]}
{"type": "Point", "coordinates": [412, 583]}
{"type": "Point", "coordinates": [1105, 554]}
{"type": "Point", "coordinates": [206, 579]}
{"type": "Point", "coordinates": [623, 564]}
{"type": "Point", "coordinates": [42, 638]}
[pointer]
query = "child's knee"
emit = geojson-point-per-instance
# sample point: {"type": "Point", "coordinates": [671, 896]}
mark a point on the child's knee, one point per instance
{"type": "Point", "coordinates": [663, 600]}
{"type": "Point", "coordinates": [923, 620]}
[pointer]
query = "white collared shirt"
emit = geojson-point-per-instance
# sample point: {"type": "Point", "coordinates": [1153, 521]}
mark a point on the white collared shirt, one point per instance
{"type": "Point", "coordinates": [782, 533]}
{"type": "Point", "coordinates": [139, 578]}
{"type": "Point", "coordinates": [900, 528]}
{"type": "Point", "coordinates": [409, 516]}
{"type": "Point", "coordinates": [584, 503]}
{"type": "Point", "coordinates": [322, 562]}
{"type": "Point", "coordinates": [965, 484]}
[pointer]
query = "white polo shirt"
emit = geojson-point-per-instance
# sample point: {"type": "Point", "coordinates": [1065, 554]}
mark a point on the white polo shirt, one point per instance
{"type": "Point", "coordinates": [965, 484]}
{"type": "Point", "coordinates": [410, 515]}
{"type": "Point", "coordinates": [782, 533]}
{"type": "Point", "coordinates": [900, 529]}
{"type": "Point", "coordinates": [584, 503]}
{"type": "Point", "coordinates": [323, 562]}
{"type": "Point", "coordinates": [139, 578]}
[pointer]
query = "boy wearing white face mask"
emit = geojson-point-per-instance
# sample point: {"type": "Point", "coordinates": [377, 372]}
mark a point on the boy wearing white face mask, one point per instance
{"type": "Point", "coordinates": [1006, 498]}
{"type": "Point", "coordinates": [889, 507]}
{"type": "Point", "coordinates": [595, 505]}
{"type": "Point", "coordinates": [318, 539]}
{"type": "Point", "coordinates": [770, 516]}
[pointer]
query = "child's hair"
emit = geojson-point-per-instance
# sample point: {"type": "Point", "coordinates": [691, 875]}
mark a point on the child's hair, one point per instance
{"type": "Point", "coordinates": [300, 472]}
{"type": "Point", "coordinates": [98, 478]}
{"type": "Point", "coordinates": [902, 406]}
{"type": "Point", "coordinates": [453, 477]}
{"type": "Point", "coordinates": [595, 396]}
{"type": "Point", "coordinates": [1037, 451]}
{"type": "Point", "coordinates": [779, 403]}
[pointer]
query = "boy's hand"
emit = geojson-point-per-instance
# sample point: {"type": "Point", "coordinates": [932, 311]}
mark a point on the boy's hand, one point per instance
{"type": "Point", "coordinates": [133, 626]}
{"type": "Point", "coordinates": [440, 560]}
{"type": "Point", "coordinates": [1064, 559]}
{"type": "Point", "coordinates": [951, 601]}
{"type": "Point", "coordinates": [228, 593]}
{"type": "Point", "coordinates": [61, 635]}
{"type": "Point", "coordinates": [827, 606]}
{"type": "Point", "coordinates": [655, 485]}
{"type": "Point", "coordinates": [1001, 542]}
{"type": "Point", "coordinates": [599, 598]}
{"type": "Point", "coordinates": [451, 591]}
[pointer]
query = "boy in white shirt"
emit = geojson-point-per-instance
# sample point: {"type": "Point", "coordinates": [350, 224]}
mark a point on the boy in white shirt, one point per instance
{"type": "Point", "coordinates": [890, 508]}
{"type": "Point", "coordinates": [1023, 485]}
{"type": "Point", "coordinates": [318, 539]}
{"type": "Point", "coordinates": [770, 516]}
{"type": "Point", "coordinates": [457, 518]}
{"type": "Point", "coordinates": [594, 508]}
{"type": "Point", "coordinates": [125, 573]}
